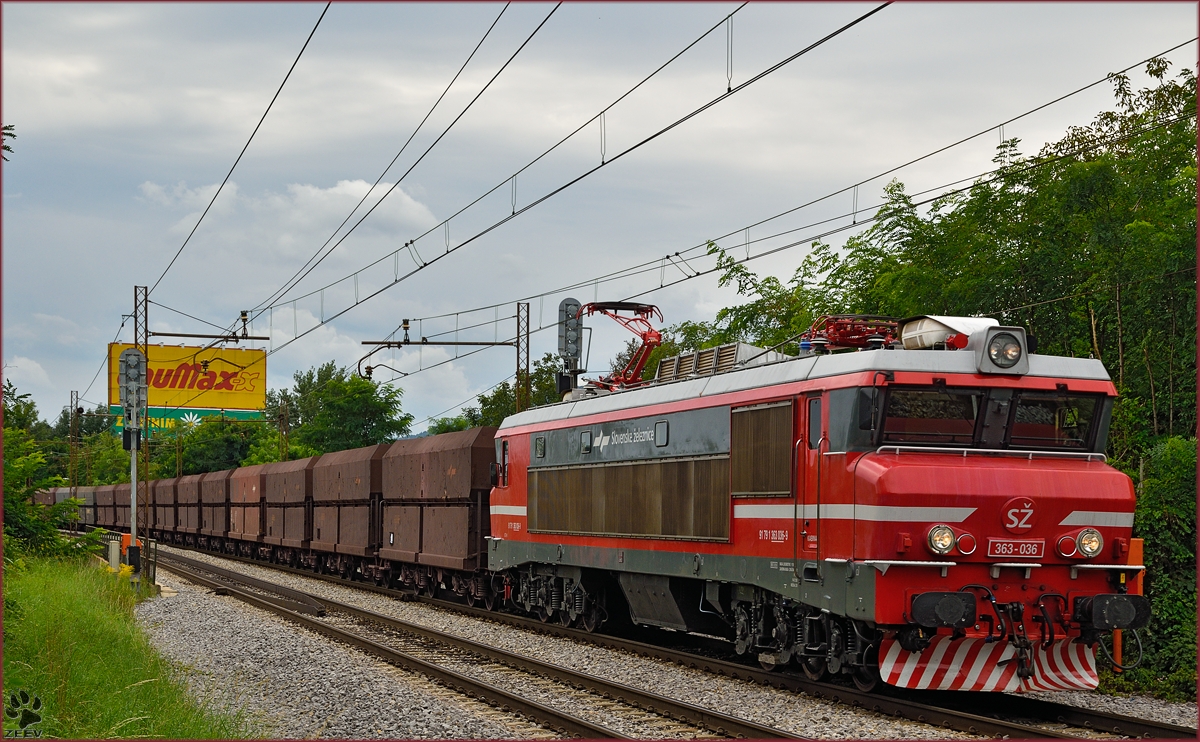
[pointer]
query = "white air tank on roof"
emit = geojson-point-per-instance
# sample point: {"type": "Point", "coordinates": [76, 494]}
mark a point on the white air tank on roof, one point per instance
{"type": "Point", "coordinates": [926, 331]}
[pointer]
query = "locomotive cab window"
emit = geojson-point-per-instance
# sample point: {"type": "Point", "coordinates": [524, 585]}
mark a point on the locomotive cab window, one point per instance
{"type": "Point", "coordinates": [1054, 420]}
{"type": "Point", "coordinates": [760, 454]}
{"type": "Point", "coordinates": [931, 416]}
{"type": "Point", "coordinates": [814, 422]}
{"type": "Point", "coordinates": [539, 447]}
{"type": "Point", "coordinates": [504, 464]}
{"type": "Point", "coordinates": [585, 442]}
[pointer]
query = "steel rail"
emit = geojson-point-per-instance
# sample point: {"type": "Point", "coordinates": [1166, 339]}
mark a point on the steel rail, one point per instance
{"type": "Point", "coordinates": [558, 720]}
{"type": "Point", "coordinates": [713, 720]}
{"type": "Point", "coordinates": [893, 705]}
{"type": "Point", "coordinates": [307, 603]}
{"type": "Point", "coordinates": [1040, 708]}
{"type": "Point", "coordinates": [912, 705]}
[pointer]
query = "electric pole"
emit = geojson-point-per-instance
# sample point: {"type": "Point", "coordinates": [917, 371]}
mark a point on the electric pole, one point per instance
{"type": "Point", "coordinates": [73, 438]}
{"type": "Point", "coordinates": [522, 392]}
{"type": "Point", "coordinates": [283, 429]}
{"type": "Point", "coordinates": [73, 442]}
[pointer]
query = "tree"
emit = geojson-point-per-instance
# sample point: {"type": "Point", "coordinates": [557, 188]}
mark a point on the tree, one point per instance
{"type": "Point", "coordinates": [9, 132]}
{"type": "Point", "coordinates": [351, 412]}
{"type": "Point", "coordinates": [20, 411]}
{"type": "Point", "coordinates": [30, 527]}
{"type": "Point", "coordinates": [105, 461]}
{"type": "Point", "coordinates": [501, 402]}
{"type": "Point", "coordinates": [469, 418]}
{"type": "Point", "coordinates": [213, 444]}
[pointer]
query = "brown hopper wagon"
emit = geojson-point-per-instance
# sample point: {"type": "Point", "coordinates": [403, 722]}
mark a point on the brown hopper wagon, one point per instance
{"type": "Point", "coordinates": [288, 519]}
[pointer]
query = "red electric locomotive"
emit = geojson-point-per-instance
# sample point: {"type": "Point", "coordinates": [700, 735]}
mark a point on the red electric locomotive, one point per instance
{"type": "Point", "coordinates": [933, 509]}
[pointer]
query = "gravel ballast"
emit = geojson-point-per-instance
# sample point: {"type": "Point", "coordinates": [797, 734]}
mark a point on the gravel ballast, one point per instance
{"type": "Point", "coordinates": [290, 683]}
{"type": "Point", "coordinates": [797, 713]}
{"type": "Point", "coordinates": [1143, 707]}
{"type": "Point", "coordinates": [780, 708]}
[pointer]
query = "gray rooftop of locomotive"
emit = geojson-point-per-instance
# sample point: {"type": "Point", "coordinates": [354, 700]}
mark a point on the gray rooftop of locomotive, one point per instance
{"type": "Point", "coordinates": [799, 369]}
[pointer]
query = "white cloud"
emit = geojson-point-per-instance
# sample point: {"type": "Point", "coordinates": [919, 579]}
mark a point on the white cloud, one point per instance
{"type": "Point", "coordinates": [27, 375]}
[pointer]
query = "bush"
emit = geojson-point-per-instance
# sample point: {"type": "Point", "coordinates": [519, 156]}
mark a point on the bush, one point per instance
{"type": "Point", "coordinates": [1166, 520]}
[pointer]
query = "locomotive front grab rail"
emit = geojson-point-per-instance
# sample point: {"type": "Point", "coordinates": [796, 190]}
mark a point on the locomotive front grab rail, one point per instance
{"type": "Point", "coordinates": [993, 452]}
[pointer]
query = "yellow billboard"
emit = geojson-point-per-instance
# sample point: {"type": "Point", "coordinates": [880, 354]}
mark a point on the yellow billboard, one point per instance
{"type": "Point", "coordinates": [194, 377]}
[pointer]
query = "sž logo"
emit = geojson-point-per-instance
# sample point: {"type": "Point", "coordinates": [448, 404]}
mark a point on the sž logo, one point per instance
{"type": "Point", "coordinates": [1018, 515]}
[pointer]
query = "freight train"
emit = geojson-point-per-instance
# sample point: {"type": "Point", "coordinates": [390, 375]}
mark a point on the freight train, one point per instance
{"type": "Point", "coordinates": [923, 503]}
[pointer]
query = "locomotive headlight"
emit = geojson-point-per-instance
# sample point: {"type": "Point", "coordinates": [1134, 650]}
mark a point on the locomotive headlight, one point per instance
{"type": "Point", "coordinates": [1090, 542]}
{"type": "Point", "coordinates": [941, 539]}
{"type": "Point", "coordinates": [1004, 350]}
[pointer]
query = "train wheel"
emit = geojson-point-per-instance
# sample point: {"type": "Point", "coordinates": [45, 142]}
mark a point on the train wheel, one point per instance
{"type": "Point", "coordinates": [591, 619]}
{"type": "Point", "coordinates": [472, 601]}
{"type": "Point", "coordinates": [543, 614]}
{"type": "Point", "coordinates": [564, 618]}
{"type": "Point", "coordinates": [490, 599]}
{"type": "Point", "coordinates": [866, 679]}
{"type": "Point", "coordinates": [813, 667]}
{"type": "Point", "coordinates": [768, 662]}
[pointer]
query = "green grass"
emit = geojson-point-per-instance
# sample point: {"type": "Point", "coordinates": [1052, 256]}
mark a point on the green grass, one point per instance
{"type": "Point", "coordinates": [70, 638]}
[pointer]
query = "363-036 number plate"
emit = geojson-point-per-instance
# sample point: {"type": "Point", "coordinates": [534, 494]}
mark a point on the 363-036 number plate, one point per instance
{"type": "Point", "coordinates": [1016, 547]}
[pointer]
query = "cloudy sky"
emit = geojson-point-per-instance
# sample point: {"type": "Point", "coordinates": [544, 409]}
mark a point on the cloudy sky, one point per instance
{"type": "Point", "coordinates": [128, 117]}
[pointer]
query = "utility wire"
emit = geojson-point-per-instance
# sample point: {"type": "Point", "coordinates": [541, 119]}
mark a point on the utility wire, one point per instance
{"type": "Point", "coordinates": [105, 361]}
{"type": "Point", "coordinates": [999, 174]}
{"type": "Point", "coordinates": [396, 185]}
{"type": "Point", "coordinates": [794, 209]}
{"type": "Point", "coordinates": [297, 277]}
{"type": "Point", "coordinates": [239, 157]}
{"type": "Point", "coordinates": [701, 246]}
{"type": "Point", "coordinates": [964, 140]}
{"type": "Point", "coordinates": [465, 401]}
{"type": "Point", "coordinates": [655, 263]}
{"type": "Point", "coordinates": [648, 266]}
{"type": "Point", "coordinates": [559, 143]}
{"type": "Point", "coordinates": [1108, 287]}
{"type": "Point", "coordinates": [189, 316]}
{"type": "Point", "coordinates": [575, 180]}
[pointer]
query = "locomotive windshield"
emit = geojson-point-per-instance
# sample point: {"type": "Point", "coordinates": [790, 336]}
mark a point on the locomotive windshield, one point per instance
{"type": "Point", "coordinates": [861, 419]}
{"type": "Point", "coordinates": [931, 416]}
{"type": "Point", "coordinates": [1049, 420]}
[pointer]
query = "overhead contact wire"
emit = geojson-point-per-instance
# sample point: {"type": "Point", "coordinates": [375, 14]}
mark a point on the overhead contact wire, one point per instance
{"type": "Point", "coordinates": [575, 180]}
{"type": "Point", "coordinates": [428, 150]}
{"type": "Point", "coordinates": [297, 277]}
{"type": "Point", "coordinates": [239, 157]}
{"type": "Point", "coordinates": [537, 159]}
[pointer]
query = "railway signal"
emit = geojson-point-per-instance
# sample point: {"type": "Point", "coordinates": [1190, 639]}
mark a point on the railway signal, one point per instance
{"type": "Point", "coordinates": [131, 381]}
{"type": "Point", "coordinates": [570, 343]}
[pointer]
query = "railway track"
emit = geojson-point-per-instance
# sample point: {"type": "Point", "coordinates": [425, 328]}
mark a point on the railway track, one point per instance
{"type": "Point", "coordinates": [952, 711]}
{"type": "Point", "coordinates": [429, 651]}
